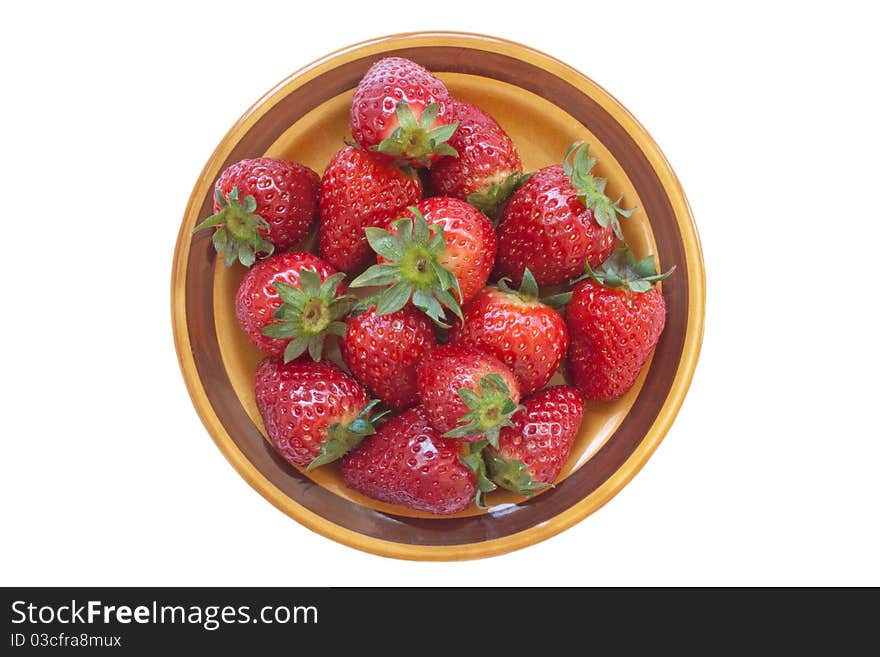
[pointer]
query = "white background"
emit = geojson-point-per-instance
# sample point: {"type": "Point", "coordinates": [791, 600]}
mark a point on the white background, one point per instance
{"type": "Point", "coordinates": [767, 112]}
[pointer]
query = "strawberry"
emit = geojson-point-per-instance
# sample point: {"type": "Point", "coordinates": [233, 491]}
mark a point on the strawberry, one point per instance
{"type": "Point", "coordinates": [531, 452]}
{"type": "Point", "coordinates": [403, 112]}
{"type": "Point", "coordinates": [487, 168]}
{"type": "Point", "coordinates": [614, 319]}
{"type": "Point", "coordinates": [261, 205]}
{"type": "Point", "coordinates": [446, 246]}
{"type": "Point", "coordinates": [466, 393]}
{"type": "Point", "coordinates": [382, 351]}
{"type": "Point", "coordinates": [407, 462]}
{"type": "Point", "coordinates": [288, 302]}
{"type": "Point", "coordinates": [559, 220]}
{"type": "Point", "coordinates": [359, 190]}
{"type": "Point", "coordinates": [518, 329]}
{"type": "Point", "coordinates": [313, 412]}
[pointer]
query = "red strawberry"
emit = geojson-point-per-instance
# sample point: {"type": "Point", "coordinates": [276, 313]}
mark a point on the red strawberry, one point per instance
{"type": "Point", "coordinates": [382, 351]}
{"type": "Point", "coordinates": [358, 190]}
{"type": "Point", "coordinates": [402, 111]}
{"type": "Point", "coordinates": [558, 221]}
{"type": "Point", "coordinates": [531, 452]}
{"type": "Point", "coordinates": [261, 205]}
{"type": "Point", "coordinates": [419, 262]}
{"type": "Point", "coordinates": [467, 394]}
{"type": "Point", "coordinates": [518, 329]}
{"type": "Point", "coordinates": [615, 319]}
{"type": "Point", "coordinates": [407, 462]}
{"type": "Point", "coordinates": [313, 412]}
{"type": "Point", "coordinates": [487, 168]}
{"type": "Point", "coordinates": [288, 302]}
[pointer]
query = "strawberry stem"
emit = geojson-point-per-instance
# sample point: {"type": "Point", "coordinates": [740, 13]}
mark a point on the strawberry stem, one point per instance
{"type": "Point", "coordinates": [622, 270]}
{"type": "Point", "coordinates": [591, 189]}
{"type": "Point", "coordinates": [238, 229]}
{"type": "Point", "coordinates": [344, 438]}
{"type": "Point", "coordinates": [490, 409]}
{"type": "Point", "coordinates": [414, 140]}
{"type": "Point", "coordinates": [474, 461]}
{"type": "Point", "coordinates": [308, 313]}
{"type": "Point", "coordinates": [412, 271]}
{"type": "Point", "coordinates": [512, 475]}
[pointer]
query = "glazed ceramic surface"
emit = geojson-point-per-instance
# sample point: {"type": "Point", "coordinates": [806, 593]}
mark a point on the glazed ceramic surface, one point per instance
{"type": "Point", "coordinates": [544, 105]}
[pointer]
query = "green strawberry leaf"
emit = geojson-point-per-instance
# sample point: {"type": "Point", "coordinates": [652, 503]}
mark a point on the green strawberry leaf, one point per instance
{"type": "Point", "coordinates": [394, 298]}
{"type": "Point", "coordinates": [429, 115]}
{"type": "Point", "coordinates": [557, 301]}
{"type": "Point", "coordinates": [443, 133]}
{"type": "Point", "coordinates": [290, 295]}
{"type": "Point", "coordinates": [219, 239]}
{"type": "Point", "coordinates": [441, 149]}
{"type": "Point", "coordinates": [621, 269]}
{"type": "Point", "coordinates": [310, 282]}
{"type": "Point", "coordinates": [384, 243]}
{"type": "Point", "coordinates": [529, 286]}
{"type": "Point", "coordinates": [295, 348]}
{"type": "Point", "coordinates": [489, 201]}
{"type": "Point", "coordinates": [405, 118]}
{"type": "Point", "coordinates": [512, 475]}
{"type": "Point", "coordinates": [341, 438]}
{"type": "Point", "coordinates": [377, 275]}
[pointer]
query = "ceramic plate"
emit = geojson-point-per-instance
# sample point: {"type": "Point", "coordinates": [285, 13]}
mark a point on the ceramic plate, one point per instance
{"type": "Point", "coordinates": [544, 105]}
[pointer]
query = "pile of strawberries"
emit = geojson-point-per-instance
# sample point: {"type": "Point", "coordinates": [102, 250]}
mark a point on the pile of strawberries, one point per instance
{"type": "Point", "coordinates": [445, 396]}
